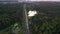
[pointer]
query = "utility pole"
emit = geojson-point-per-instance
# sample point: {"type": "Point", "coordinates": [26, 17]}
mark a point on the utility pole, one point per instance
{"type": "Point", "coordinates": [26, 19]}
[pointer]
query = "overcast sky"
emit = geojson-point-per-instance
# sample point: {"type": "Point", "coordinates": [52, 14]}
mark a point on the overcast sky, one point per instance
{"type": "Point", "coordinates": [39, 0]}
{"type": "Point", "coordinates": [44, 0]}
{"type": "Point", "coordinates": [30, 0]}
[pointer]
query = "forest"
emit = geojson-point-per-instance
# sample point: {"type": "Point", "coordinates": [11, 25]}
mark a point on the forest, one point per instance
{"type": "Point", "coordinates": [46, 21]}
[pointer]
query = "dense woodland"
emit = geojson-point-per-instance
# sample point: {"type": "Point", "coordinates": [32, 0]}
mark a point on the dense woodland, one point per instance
{"type": "Point", "coordinates": [46, 21]}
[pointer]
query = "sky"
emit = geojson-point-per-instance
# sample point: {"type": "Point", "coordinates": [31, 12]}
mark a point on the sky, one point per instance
{"type": "Point", "coordinates": [29, 0]}
{"type": "Point", "coordinates": [44, 0]}
{"type": "Point", "coordinates": [39, 0]}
